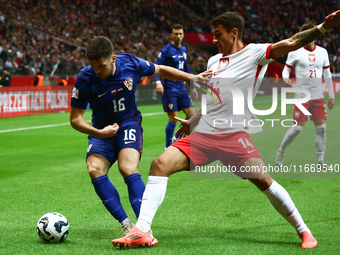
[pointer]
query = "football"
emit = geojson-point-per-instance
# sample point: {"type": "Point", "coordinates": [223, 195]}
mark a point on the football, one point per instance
{"type": "Point", "coordinates": [53, 228]}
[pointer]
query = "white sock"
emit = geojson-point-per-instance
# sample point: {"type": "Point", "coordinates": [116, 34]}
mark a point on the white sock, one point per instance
{"type": "Point", "coordinates": [152, 199]}
{"type": "Point", "coordinates": [290, 136]}
{"type": "Point", "coordinates": [282, 202]}
{"type": "Point", "coordinates": [320, 141]}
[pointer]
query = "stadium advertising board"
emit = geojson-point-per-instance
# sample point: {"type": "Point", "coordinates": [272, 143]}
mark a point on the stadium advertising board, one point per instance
{"type": "Point", "coordinates": [19, 101]}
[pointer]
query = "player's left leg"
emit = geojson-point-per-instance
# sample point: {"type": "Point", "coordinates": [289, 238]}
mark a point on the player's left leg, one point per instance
{"type": "Point", "coordinates": [320, 139]}
{"type": "Point", "coordinates": [171, 161]}
{"type": "Point", "coordinates": [280, 200]}
{"type": "Point", "coordinates": [170, 128]}
{"type": "Point", "coordinates": [130, 142]}
{"type": "Point", "coordinates": [319, 117]}
{"type": "Point", "coordinates": [128, 162]}
{"type": "Point", "coordinates": [291, 134]}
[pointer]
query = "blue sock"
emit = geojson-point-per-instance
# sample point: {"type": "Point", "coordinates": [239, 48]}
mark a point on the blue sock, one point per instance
{"type": "Point", "coordinates": [169, 132]}
{"type": "Point", "coordinates": [136, 189]}
{"type": "Point", "coordinates": [109, 196]}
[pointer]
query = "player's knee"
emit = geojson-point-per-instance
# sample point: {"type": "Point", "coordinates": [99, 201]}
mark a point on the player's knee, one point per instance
{"type": "Point", "coordinates": [94, 170]}
{"type": "Point", "coordinates": [262, 183]}
{"type": "Point", "coordinates": [321, 128]}
{"type": "Point", "coordinates": [157, 167]}
{"type": "Point", "coordinates": [297, 129]}
{"type": "Point", "coordinates": [126, 170]}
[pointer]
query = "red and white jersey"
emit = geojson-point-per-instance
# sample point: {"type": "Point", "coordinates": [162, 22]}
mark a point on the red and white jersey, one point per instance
{"type": "Point", "coordinates": [309, 67]}
{"type": "Point", "coordinates": [234, 77]}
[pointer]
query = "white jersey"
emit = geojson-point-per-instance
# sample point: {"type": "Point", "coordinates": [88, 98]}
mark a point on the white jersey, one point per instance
{"type": "Point", "coordinates": [234, 76]}
{"type": "Point", "coordinates": [309, 67]}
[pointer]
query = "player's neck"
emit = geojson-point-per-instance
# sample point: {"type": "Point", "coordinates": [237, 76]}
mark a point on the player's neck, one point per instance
{"type": "Point", "coordinates": [177, 45]}
{"type": "Point", "coordinates": [310, 46]}
{"type": "Point", "coordinates": [113, 69]}
{"type": "Point", "coordinates": [235, 47]}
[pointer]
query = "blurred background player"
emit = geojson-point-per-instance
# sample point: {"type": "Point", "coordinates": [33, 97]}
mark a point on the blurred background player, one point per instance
{"type": "Point", "coordinates": [109, 85]}
{"type": "Point", "coordinates": [174, 94]}
{"type": "Point", "coordinates": [310, 63]}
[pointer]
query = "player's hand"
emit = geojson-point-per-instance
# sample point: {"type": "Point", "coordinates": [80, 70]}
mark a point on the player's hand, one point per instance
{"type": "Point", "coordinates": [287, 81]}
{"type": "Point", "coordinates": [159, 88]}
{"type": "Point", "coordinates": [331, 103]}
{"type": "Point", "coordinates": [185, 129]}
{"type": "Point", "coordinates": [194, 94]}
{"type": "Point", "coordinates": [332, 20]}
{"type": "Point", "coordinates": [205, 74]}
{"type": "Point", "coordinates": [109, 131]}
{"type": "Point", "coordinates": [200, 78]}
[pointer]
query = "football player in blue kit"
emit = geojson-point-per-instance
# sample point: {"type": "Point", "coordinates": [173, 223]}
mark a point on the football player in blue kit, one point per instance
{"type": "Point", "coordinates": [174, 95]}
{"type": "Point", "coordinates": [108, 84]}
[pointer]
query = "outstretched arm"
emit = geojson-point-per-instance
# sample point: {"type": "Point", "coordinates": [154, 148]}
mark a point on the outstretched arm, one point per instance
{"type": "Point", "coordinates": [171, 73]}
{"type": "Point", "coordinates": [303, 38]}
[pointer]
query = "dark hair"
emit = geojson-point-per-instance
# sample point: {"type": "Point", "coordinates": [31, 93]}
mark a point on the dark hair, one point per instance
{"type": "Point", "coordinates": [176, 26]}
{"type": "Point", "coordinates": [99, 46]}
{"type": "Point", "coordinates": [308, 25]}
{"type": "Point", "coordinates": [230, 20]}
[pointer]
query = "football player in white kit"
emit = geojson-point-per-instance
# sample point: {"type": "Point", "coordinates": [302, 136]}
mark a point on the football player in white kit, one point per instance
{"type": "Point", "coordinates": [243, 66]}
{"type": "Point", "coordinates": [310, 62]}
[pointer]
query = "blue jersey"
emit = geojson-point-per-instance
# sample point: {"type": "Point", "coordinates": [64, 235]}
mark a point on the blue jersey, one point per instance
{"type": "Point", "coordinates": [176, 58]}
{"type": "Point", "coordinates": [112, 100]}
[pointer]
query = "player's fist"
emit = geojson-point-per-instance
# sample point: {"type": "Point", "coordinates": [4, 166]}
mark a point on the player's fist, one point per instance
{"type": "Point", "coordinates": [332, 20]}
{"type": "Point", "coordinates": [109, 131]}
{"type": "Point", "coordinates": [159, 88]}
{"type": "Point", "coordinates": [331, 103]}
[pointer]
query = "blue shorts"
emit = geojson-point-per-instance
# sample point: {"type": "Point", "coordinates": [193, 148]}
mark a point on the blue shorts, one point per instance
{"type": "Point", "coordinates": [176, 102]}
{"type": "Point", "coordinates": [126, 137]}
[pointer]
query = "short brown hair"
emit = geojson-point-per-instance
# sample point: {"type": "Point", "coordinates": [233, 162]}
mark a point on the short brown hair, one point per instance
{"type": "Point", "coordinates": [176, 26]}
{"type": "Point", "coordinates": [99, 46]}
{"type": "Point", "coordinates": [307, 26]}
{"type": "Point", "coordinates": [230, 20]}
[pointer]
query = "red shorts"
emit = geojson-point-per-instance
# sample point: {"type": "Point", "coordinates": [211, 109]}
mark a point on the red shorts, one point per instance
{"type": "Point", "coordinates": [230, 148]}
{"type": "Point", "coordinates": [316, 107]}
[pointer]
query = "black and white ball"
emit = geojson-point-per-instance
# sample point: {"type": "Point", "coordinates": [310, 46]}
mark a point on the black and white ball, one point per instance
{"type": "Point", "coordinates": [53, 228]}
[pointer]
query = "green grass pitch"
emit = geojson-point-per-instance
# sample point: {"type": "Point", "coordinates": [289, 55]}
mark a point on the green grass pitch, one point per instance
{"type": "Point", "coordinates": [43, 170]}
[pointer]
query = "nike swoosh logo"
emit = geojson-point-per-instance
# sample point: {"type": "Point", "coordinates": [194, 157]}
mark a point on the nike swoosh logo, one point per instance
{"type": "Point", "coordinates": [216, 74]}
{"type": "Point", "coordinates": [102, 94]}
{"type": "Point", "coordinates": [251, 151]}
{"type": "Point", "coordinates": [130, 142]}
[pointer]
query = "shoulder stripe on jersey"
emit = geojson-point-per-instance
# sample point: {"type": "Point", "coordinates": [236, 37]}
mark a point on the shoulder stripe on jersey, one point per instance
{"type": "Point", "coordinates": [325, 67]}
{"type": "Point", "coordinates": [268, 51]}
{"type": "Point", "coordinates": [288, 65]}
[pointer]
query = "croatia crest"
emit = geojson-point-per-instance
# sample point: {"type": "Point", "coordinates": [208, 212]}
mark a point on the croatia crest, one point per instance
{"type": "Point", "coordinates": [311, 57]}
{"type": "Point", "coordinates": [128, 83]}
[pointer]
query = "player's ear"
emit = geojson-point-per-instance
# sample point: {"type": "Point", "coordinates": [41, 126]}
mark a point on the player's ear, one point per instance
{"type": "Point", "coordinates": [114, 57]}
{"type": "Point", "coordinates": [234, 32]}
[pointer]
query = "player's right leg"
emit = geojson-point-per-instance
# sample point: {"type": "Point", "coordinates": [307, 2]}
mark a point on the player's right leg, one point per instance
{"type": "Point", "coordinates": [169, 102]}
{"type": "Point", "coordinates": [288, 139]}
{"type": "Point", "coordinates": [98, 154]}
{"type": "Point", "coordinates": [170, 128]}
{"type": "Point", "coordinates": [281, 201]}
{"type": "Point", "coordinates": [171, 161]}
